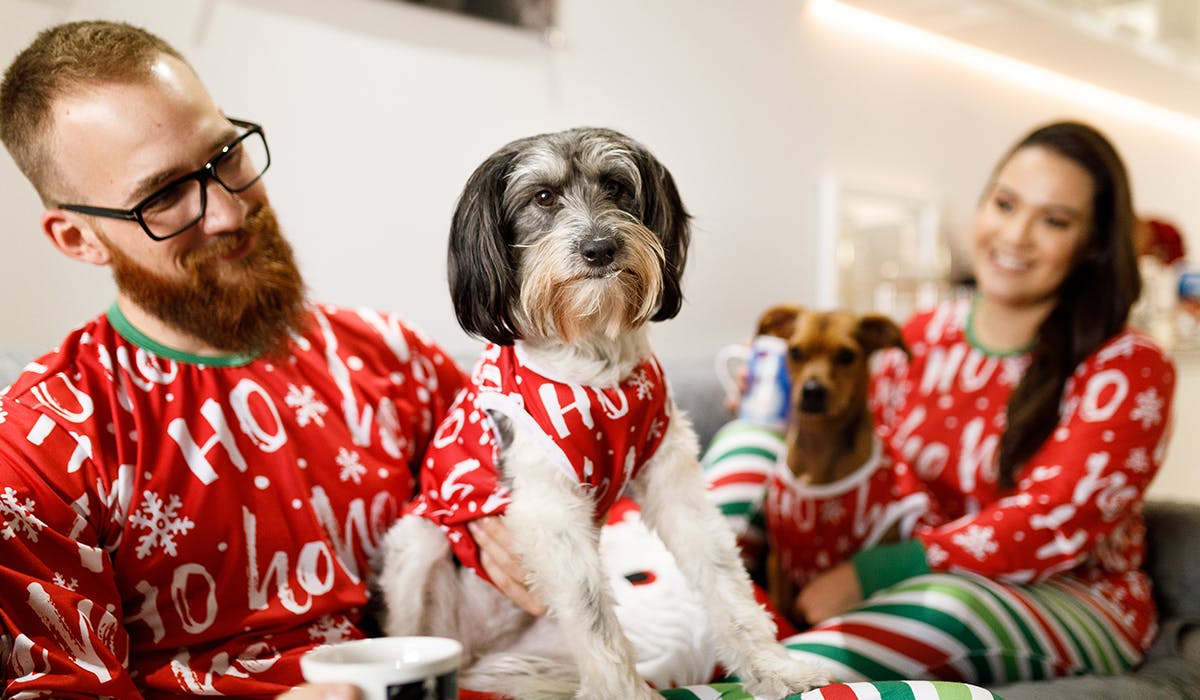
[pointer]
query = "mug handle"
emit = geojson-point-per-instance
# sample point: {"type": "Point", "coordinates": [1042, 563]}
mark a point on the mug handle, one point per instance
{"type": "Point", "coordinates": [728, 360]}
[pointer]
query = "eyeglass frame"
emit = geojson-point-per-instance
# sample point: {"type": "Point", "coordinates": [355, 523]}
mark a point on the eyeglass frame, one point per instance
{"type": "Point", "coordinates": [203, 174]}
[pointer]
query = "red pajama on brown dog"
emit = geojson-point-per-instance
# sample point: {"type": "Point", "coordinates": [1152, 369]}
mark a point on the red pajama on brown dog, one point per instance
{"type": "Point", "coordinates": [835, 495]}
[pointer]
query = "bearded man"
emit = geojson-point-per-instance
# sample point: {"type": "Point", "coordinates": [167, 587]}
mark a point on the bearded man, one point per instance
{"type": "Point", "coordinates": [194, 482]}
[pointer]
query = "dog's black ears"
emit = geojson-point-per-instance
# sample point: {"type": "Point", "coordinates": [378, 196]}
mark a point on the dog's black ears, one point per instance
{"type": "Point", "coordinates": [876, 332]}
{"type": "Point", "coordinates": [663, 213]}
{"type": "Point", "coordinates": [480, 265]}
{"type": "Point", "coordinates": [779, 320]}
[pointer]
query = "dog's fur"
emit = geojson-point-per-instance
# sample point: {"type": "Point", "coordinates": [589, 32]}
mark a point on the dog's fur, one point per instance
{"type": "Point", "coordinates": [830, 431]}
{"type": "Point", "coordinates": [571, 243]}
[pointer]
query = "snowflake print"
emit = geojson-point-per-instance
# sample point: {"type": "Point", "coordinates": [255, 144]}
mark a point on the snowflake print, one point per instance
{"type": "Point", "coordinates": [60, 581]}
{"type": "Point", "coordinates": [977, 541]}
{"type": "Point", "coordinates": [936, 555]}
{"type": "Point", "coordinates": [352, 468]}
{"type": "Point", "coordinates": [1149, 408]}
{"type": "Point", "coordinates": [18, 517]}
{"type": "Point", "coordinates": [330, 629]}
{"type": "Point", "coordinates": [3, 415]}
{"type": "Point", "coordinates": [656, 429]}
{"type": "Point", "coordinates": [1138, 460]}
{"type": "Point", "coordinates": [308, 408]}
{"type": "Point", "coordinates": [832, 511]}
{"type": "Point", "coordinates": [641, 382]}
{"type": "Point", "coordinates": [163, 524]}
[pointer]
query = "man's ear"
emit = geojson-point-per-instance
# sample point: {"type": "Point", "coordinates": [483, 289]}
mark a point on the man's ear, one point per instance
{"type": "Point", "coordinates": [71, 234]}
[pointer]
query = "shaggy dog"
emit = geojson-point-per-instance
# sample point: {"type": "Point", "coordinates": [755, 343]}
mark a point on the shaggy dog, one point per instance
{"type": "Point", "coordinates": [563, 248]}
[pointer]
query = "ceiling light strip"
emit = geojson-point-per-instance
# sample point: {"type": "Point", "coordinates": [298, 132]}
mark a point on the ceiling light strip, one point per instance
{"type": "Point", "coordinates": [1027, 75]}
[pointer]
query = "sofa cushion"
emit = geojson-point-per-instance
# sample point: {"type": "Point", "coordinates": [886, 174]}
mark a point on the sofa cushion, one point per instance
{"type": "Point", "coordinates": [11, 364]}
{"type": "Point", "coordinates": [1173, 558]}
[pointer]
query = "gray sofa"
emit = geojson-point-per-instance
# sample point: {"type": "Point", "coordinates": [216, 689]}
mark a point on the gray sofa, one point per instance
{"type": "Point", "coordinates": [1171, 670]}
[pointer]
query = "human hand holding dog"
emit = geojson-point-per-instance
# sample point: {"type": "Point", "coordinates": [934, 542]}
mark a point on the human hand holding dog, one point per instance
{"type": "Point", "coordinates": [503, 564]}
{"type": "Point", "coordinates": [831, 593]}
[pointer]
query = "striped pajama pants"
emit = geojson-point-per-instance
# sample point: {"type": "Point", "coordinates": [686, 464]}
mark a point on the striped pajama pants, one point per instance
{"type": "Point", "coordinates": [938, 627]}
{"type": "Point", "coordinates": [885, 690]}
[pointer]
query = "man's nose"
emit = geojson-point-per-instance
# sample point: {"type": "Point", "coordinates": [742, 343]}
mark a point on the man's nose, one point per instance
{"type": "Point", "coordinates": [224, 211]}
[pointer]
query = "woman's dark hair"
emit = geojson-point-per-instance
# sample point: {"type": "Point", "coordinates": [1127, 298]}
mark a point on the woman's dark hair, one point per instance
{"type": "Point", "coordinates": [1094, 299]}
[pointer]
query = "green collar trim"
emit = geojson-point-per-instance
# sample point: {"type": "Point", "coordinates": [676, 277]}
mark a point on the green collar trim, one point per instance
{"type": "Point", "coordinates": [140, 339]}
{"type": "Point", "coordinates": [973, 340]}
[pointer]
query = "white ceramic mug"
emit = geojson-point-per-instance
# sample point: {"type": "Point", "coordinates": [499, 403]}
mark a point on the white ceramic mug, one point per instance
{"type": "Point", "coordinates": [389, 668]}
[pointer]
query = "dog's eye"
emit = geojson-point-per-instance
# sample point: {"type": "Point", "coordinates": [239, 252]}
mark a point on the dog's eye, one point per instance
{"type": "Point", "coordinates": [545, 198]}
{"type": "Point", "coordinates": [614, 189]}
{"type": "Point", "coordinates": [845, 357]}
{"type": "Point", "coordinates": [796, 354]}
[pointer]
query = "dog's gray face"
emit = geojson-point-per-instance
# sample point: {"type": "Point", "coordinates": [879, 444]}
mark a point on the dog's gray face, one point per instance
{"type": "Point", "coordinates": [567, 235]}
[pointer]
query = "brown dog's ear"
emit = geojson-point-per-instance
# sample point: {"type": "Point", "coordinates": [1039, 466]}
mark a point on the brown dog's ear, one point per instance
{"type": "Point", "coordinates": [779, 321]}
{"type": "Point", "coordinates": [876, 332]}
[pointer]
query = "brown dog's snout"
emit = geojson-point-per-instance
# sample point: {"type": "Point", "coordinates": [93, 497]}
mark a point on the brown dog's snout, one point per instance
{"type": "Point", "coordinates": [814, 397]}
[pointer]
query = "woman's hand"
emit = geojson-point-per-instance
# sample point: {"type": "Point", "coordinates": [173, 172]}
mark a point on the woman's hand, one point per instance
{"type": "Point", "coordinates": [831, 593]}
{"type": "Point", "coordinates": [321, 691]}
{"type": "Point", "coordinates": [503, 564]}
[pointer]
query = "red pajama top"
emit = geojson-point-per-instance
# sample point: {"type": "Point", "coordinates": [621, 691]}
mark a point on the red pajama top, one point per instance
{"type": "Point", "coordinates": [599, 437]}
{"type": "Point", "coordinates": [812, 527]}
{"type": "Point", "coordinates": [1077, 507]}
{"type": "Point", "coordinates": [170, 528]}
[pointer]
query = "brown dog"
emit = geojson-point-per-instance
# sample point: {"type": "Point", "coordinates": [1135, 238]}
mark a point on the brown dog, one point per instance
{"type": "Point", "coordinates": [836, 495]}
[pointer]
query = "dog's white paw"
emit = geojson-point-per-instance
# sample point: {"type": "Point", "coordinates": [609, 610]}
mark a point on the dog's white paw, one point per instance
{"type": "Point", "coordinates": [784, 676]}
{"type": "Point", "coordinates": [599, 681]}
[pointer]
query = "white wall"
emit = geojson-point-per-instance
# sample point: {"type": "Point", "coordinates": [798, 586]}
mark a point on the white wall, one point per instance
{"type": "Point", "coordinates": [377, 111]}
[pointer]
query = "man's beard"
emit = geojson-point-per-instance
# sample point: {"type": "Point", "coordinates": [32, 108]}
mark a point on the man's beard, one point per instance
{"type": "Point", "coordinates": [249, 306]}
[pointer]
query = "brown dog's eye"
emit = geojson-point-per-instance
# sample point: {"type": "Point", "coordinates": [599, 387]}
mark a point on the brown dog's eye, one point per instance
{"type": "Point", "coordinates": [845, 357]}
{"type": "Point", "coordinates": [545, 198]}
{"type": "Point", "coordinates": [796, 354]}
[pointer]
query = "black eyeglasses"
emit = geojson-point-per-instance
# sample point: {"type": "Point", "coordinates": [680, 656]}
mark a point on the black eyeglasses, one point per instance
{"type": "Point", "coordinates": [178, 205]}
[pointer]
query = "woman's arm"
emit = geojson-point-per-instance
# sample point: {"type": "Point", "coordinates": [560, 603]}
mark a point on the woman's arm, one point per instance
{"type": "Point", "coordinates": [1075, 496]}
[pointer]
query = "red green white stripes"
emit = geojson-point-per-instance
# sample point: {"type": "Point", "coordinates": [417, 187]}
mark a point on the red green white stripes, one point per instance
{"type": "Point", "coordinates": [967, 628]}
{"type": "Point", "coordinates": [737, 465]}
{"type": "Point", "coordinates": [899, 690]}
{"type": "Point", "coordinates": [882, 690]}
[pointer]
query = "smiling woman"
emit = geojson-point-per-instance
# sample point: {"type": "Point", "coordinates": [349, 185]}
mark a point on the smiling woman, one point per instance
{"type": "Point", "coordinates": [1027, 236]}
{"type": "Point", "coordinates": [1032, 419]}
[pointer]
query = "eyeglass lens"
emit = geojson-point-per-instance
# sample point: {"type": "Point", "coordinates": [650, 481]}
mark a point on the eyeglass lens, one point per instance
{"type": "Point", "coordinates": [179, 206]}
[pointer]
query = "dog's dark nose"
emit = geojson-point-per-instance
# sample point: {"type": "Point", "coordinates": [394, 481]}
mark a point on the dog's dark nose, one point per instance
{"type": "Point", "coordinates": [812, 397]}
{"type": "Point", "coordinates": [599, 252]}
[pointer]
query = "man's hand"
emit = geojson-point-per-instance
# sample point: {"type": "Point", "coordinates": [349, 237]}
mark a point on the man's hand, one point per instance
{"type": "Point", "coordinates": [831, 593]}
{"type": "Point", "coordinates": [321, 691]}
{"type": "Point", "coordinates": [503, 564]}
